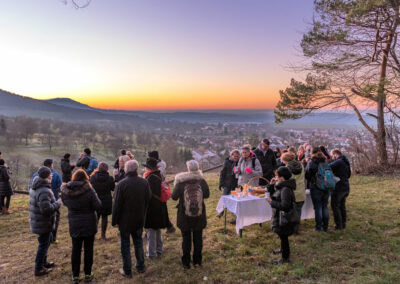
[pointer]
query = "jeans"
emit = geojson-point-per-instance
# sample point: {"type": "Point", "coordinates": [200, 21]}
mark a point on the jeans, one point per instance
{"type": "Point", "coordinates": [299, 206]}
{"type": "Point", "coordinates": [7, 199]}
{"type": "Point", "coordinates": [285, 248]}
{"type": "Point", "coordinates": [76, 255]}
{"type": "Point", "coordinates": [320, 199]}
{"type": "Point", "coordinates": [154, 243]}
{"type": "Point", "coordinates": [338, 203]}
{"type": "Point", "coordinates": [57, 222]}
{"type": "Point", "coordinates": [187, 246]}
{"type": "Point", "coordinates": [126, 250]}
{"type": "Point", "coordinates": [41, 254]}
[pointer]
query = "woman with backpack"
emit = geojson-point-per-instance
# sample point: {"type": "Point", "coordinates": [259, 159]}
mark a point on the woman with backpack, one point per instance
{"type": "Point", "coordinates": [316, 168]}
{"type": "Point", "coordinates": [248, 168]}
{"type": "Point", "coordinates": [157, 215]}
{"type": "Point", "coordinates": [103, 184]}
{"type": "Point", "coordinates": [282, 200]}
{"type": "Point", "coordinates": [82, 203]}
{"type": "Point", "coordinates": [190, 188]}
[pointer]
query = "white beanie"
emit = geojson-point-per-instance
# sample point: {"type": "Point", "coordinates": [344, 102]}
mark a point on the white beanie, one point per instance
{"type": "Point", "coordinates": [192, 166]}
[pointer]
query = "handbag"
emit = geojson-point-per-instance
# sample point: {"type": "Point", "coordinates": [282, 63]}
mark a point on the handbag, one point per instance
{"type": "Point", "coordinates": [165, 191]}
{"type": "Point", "coordinates": [289, 218]}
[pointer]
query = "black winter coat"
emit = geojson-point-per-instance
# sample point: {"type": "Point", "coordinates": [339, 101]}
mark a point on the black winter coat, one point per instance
{"type": "Point", "coordinates": [82, 202]}
{"type": "Point", "coordinates": [283, 198]}
{"type": "Point", "coordinates": [66, 170]}
{"type": "Point", "coordinates": [120, 176]}
{"type": "Point", "coordinates": [341, 169]}
{"type": "Point", "coordinates": [5, 186]}
{"type": "Point", "coordinates": [83, 162]}
{"type": "Point", "coordinates": [42, 207]}
{"type": "Point", "coordinates": [267, 161]}
{"type": "Point", "coordinates": [184, 222]}
{"type": "Point", "coordinates": [103, 184]}
{"type": "Point", "coordinates": [131, 199]}
{"type": "Point", "coordinates": [312, 170]}
{"type": "Point", "coordinates": [157, 212]}
{"type": "Point", "coordinates": [227, 177]}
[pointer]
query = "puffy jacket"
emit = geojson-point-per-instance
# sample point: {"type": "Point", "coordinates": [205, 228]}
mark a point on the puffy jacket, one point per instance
{"type": "Point", "coordinates": [267, 161]}
{"type": "Point", "coordinates": [227, 177]}
{"type": "Point", "coordinates": [5, 186]}
{"type": "Point", "coordinates": [42, 207]}
{"type": "Point", "coordinates": [82, 202]}
{"type": "Point", "coordinates": [103, 184]}
{"type": "Point", "coordinates": [341, 168]}
{"type": "Point", "coordinates": [55, 182]}
{"type": "Point", "coordinates": [282, 196]}
{"type": "Point", "coordinates": [66, 170]}
{"type": "Point", "coordinates": [243, 176]}
{"type": "Point", "coordinates": [298, 174]}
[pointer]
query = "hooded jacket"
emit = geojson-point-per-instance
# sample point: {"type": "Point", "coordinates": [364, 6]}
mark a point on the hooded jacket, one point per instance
{"type": "Point", "coordinates": [282, 195]}
{"type": "Point", "coordinates": [66, 170]}
{"type": "Point", "coordinates": [184, 222]}
{"type": "Point", "coordinates": [103, 184]}
{"type": "Point", "coordinates": [5, 186]}
{"type": "Point", "coordinates": [267, 160]}
{"type": "Point", "coordinates": [82, 202]}
{"type": "Point", "coordinates": [42, 207]}
{"type": "Point", "coordinates": [247, 163]}
{"type": "Point", "coordinates": [341, 168]}
{"type": "Point", "coordinates": [312, 170]}
{"type": "Point", "coordinates": [298, 174]}
{"type": "Point", "coordinates": [227, 177]}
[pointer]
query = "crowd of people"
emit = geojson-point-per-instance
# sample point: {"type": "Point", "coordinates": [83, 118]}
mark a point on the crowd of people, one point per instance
{"type": "Point", "coordinates": [138, 203]}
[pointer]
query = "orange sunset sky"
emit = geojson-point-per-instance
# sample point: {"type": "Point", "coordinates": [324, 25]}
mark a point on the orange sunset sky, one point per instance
{"type": "Point", "coordinates": [153, 54]}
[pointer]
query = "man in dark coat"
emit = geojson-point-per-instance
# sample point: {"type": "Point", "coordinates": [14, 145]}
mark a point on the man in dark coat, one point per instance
{"type": "Point", "coordinates": [87, 162]}
{"type": "Point", "coordinates": [82, 202]}
{"type": "Point", "coordinates": [42, 214]}
{"type": "Point", "coordinates": [191, 227]}
{"type": "Point", "coordinates": [132, 196]}
{"type": "Point", "coordinates": [282, 199]}
{"type": "Point", "coordinates": [341, 169]}
{"type": "Point", "coordinates": [66, 168]}
{"type": "Point", "coordinates": [5, 188]}
{"type": "Point", "coordinates": [227, 177]}
{"type": "Point", "coordinates": [267, 160]}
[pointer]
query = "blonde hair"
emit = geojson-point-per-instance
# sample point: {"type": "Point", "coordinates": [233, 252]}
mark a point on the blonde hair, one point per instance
{"type": "Point", "coordinates": [234, 151]}
{"type": "Point", "coordinates": [122, 161]}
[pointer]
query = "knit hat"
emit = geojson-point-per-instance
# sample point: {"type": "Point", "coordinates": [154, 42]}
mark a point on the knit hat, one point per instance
{"type": "Point", "coordinates": [44, 172]}
{"type": "Point", "coordinates": [154, 154]}
{"type": "Point", "coordinates": [284, 172]}
{"type": "Point", "coordinates": [192, 165]}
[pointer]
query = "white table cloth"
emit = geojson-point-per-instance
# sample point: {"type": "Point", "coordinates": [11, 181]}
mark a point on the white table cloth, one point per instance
{"type": "Point", "coordinates": [253, 210]}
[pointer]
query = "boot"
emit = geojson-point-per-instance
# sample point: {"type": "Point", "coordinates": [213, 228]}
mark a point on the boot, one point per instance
{"type": "Point", "coordinates": [5, 211]}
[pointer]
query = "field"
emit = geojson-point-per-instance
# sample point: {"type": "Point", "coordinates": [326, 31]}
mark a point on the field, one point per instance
{"type": "Point", "coordinates": [368, 251]}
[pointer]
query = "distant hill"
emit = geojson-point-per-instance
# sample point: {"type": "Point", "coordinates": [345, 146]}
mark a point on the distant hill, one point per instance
{"type": "Point", "coordinates": [70, 110]}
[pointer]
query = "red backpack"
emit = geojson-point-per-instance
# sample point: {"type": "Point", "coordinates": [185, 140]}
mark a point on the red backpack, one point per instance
{"type": "Point", "coordinates": [165, 190]}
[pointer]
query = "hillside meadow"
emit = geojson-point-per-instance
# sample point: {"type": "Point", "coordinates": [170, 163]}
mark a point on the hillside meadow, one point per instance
{"type": "Point", "coordinates": [368, 251]}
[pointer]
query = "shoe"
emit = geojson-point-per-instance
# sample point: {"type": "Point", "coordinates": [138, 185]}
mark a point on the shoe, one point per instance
{"type": "Point", "coordinates": [197, 265]}
{"type": "Point", "coordinates": [75, 280]}
{"type": "Point", "coordinates": [56, 242]}
{"type": "Point", "coordinates": [326, 230]}
{"type": "Point", "coordinates": [140, 271]}
{"type": "Point", "coordinates": [122, 272]}
{"type": "Point", "coordinates": [280, 261]}
{"type": "Point", "coordinates": [277, 251]}
{"type": "Point", "coordinates": [232, 222]}
{"type": "Point", "coordinates": [220, 214]}
{"type": "Point", "coordinates": [43, 272]}
{"type": "Point", "coordinates": [171, 230]}
{"type": "Point", "coordinates": [49, 265]}
{"type": "Point", "coordinates": [186, 266]}
{"type": "Point", "coordinates": [89, 278]}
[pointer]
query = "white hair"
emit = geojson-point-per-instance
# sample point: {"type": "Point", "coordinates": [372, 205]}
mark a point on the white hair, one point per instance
{"type": "Point", "coordinates": [192, 166]}
{"type": "Point", "coordinates": [131, 166]}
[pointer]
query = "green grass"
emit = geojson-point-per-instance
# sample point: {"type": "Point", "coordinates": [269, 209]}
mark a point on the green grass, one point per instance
{"type": "Point", "coordinates": [368, 251]}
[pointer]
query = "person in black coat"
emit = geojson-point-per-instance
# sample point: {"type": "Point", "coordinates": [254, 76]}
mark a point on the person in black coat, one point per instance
{"type": "Point", "coordinates": [227, 177]}
{"type": "Point", "coordinates": [103, 184]}
{"type": "Point", "coordinates": [82, 202]}
{"type": "Point", "coordinates": [282, 199]}
{"type": "Point", "coordinates": [191, 227]}
{"type": "Point", "coordinates": [42, 217]}
{"type": "Point", "coordinates": [131, 199]}
{"type": "Point", "coordinates": [5, 188]}
{"type": "Point", "coordinates": [341, 169]}
{"type": "Point", "coordinates": [320, 198]}
{"type": "Point", "coordinates": [157, 214]}
{"type": "Point", "coordinates": [66, 168]}
{"type": "Point", "coordinates": [267, 160]}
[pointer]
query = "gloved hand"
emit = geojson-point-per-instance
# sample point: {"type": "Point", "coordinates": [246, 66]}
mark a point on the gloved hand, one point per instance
{"type": "Point", "coordinates": [248, 170]}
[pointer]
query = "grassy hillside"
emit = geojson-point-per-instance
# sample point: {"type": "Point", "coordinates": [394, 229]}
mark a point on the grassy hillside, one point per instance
{"type": "Point", "coordinates": [367, 252]}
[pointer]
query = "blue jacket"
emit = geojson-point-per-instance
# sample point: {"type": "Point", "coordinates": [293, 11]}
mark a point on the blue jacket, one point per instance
{"type": "Point", "coordinates": [56, 182]}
